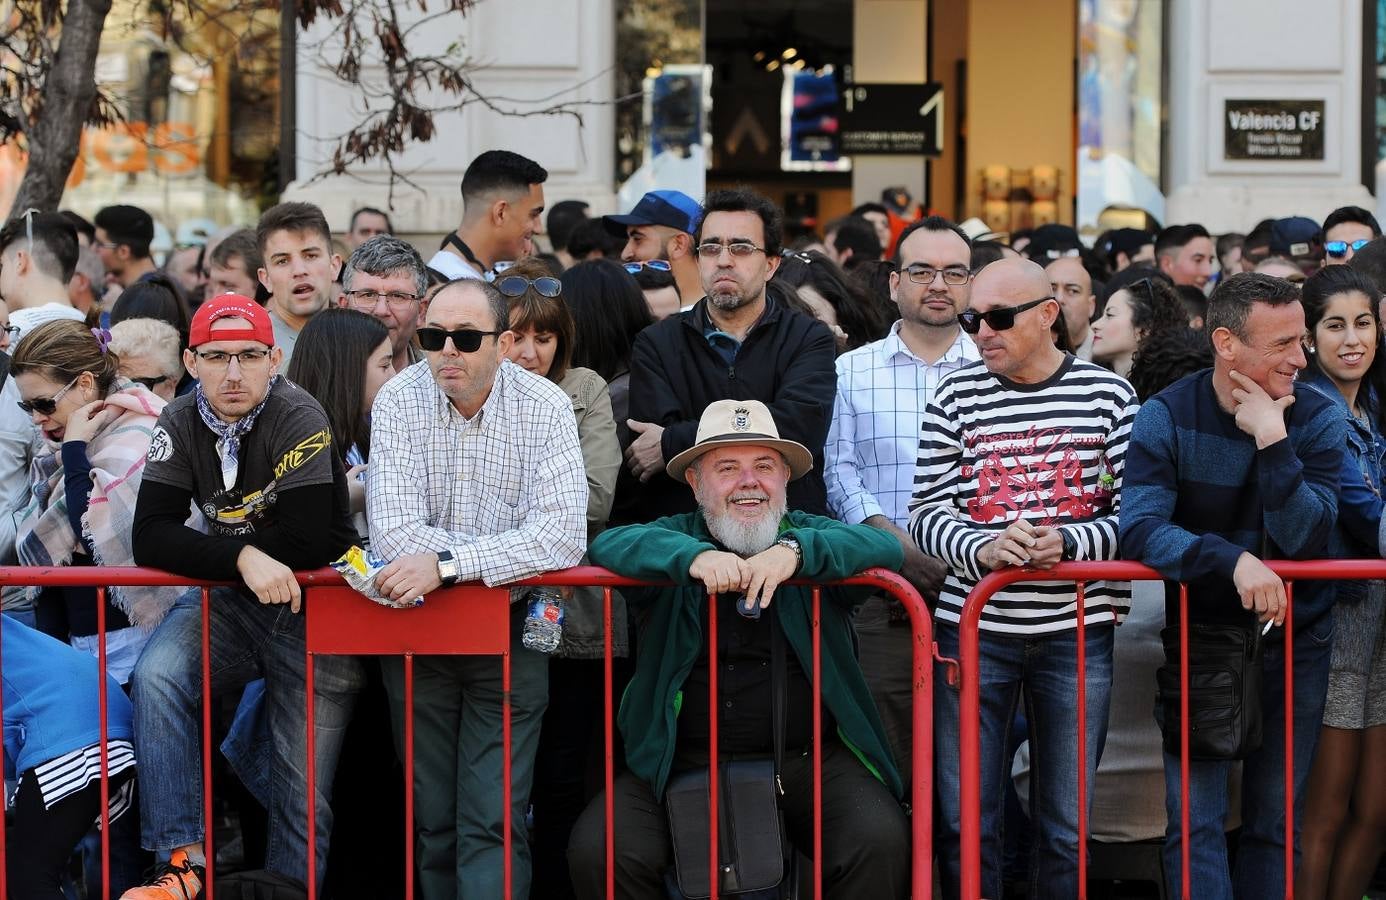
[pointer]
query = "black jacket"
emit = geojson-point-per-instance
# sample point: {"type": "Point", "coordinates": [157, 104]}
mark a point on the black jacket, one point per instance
{"type": "Point", "coordinates": [786, 362]}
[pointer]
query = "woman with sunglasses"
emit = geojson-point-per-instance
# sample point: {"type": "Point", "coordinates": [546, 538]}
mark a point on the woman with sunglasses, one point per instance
{"type": "Point", "coordinates": [97, 428]}
{"type": "Point", "coordinates": [1136, 302]}
{"type": "Point", "coordinates": [1344, 823]}
{"type": "Point", "coordinates": [543, 330]}
{"type": "Point", "coordinates": [149, 354]}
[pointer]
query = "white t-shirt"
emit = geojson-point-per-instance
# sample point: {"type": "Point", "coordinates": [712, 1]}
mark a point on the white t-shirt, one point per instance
{"type": "Point", "coordinates": [29, 319]}
{"type": "Point", "coordinates": [453, 266]}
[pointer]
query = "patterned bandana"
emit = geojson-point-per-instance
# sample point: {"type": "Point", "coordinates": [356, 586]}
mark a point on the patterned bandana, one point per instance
{"type": "Point", "coordinates": [229, 434]}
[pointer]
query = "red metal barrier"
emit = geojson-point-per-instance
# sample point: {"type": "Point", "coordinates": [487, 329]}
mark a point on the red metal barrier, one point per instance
{"type": "Point", "coordinates": [472, 619]}
{"type": "Point", "coordinates": [970, 713]}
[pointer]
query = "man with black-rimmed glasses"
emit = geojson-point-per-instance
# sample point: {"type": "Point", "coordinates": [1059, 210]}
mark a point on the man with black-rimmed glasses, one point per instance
{"type": "Point", "coordinates": [882, 391]}
{"type": "Point", "coordinates": [737, 343]}
{"type": "Point", "coordinates": [475, 475]}
{"type": "Point", "coordinates": [385, 277]}
{"type": "Point", "coordinates": [253, 453]}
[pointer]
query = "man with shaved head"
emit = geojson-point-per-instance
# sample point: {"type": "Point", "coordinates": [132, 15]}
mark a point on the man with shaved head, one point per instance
{"type": "Point", "coordinates": [1071, 285]}
{"type": "Point", "coordinates": [1020, 464]}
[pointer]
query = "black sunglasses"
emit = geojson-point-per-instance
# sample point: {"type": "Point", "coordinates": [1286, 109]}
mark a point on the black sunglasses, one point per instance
{"type": "Point", "coordinates": [466, 340]}
{"type": "Point", "coordinates": [516, 285]}
{"type": "Point", "coordinates": [997, 319]}
{"type": "Point", "coordinates": [46, 406]}
{"type": "Point", "coordinates": [151, 382]}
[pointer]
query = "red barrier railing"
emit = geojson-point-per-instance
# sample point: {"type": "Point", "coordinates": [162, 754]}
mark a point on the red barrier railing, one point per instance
{"type": "Point", "coordinates": [968, 663]}
{"type": "Point", "coordinates": [475, 620]}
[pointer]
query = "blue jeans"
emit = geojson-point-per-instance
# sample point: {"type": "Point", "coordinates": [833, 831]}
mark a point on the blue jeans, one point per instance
{"type": "Point", "coordinates": [1260, 870]}
{"type": "Point", "coordinates": [1046, 667]}
{"type": "Point", "coordinates": [248, 641]}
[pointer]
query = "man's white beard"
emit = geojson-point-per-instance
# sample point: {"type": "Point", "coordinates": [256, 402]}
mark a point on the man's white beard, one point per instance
{"type": "Point", "coordinates": [740, 536]}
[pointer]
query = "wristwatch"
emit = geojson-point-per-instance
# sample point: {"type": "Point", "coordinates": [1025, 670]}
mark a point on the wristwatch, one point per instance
{"type": "Point", "coordinates": [448, 571]}
{"type": "Point", "coordinates": [792, 543]}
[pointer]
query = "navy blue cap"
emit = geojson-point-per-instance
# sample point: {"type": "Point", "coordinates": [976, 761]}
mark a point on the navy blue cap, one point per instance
{"type": "Point", "coordinates": [673, 209]}
{"type": "Point", "coordinates": [1296, 237]}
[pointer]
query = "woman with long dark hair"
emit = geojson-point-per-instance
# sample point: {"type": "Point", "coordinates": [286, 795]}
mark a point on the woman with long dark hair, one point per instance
{"type": "Point", "coordinates": [836, 300]}
{"type": "Point", "coordinates": [1135, 303]}
{"type": "Point", "coordinates": [1344, 824]}
{"type": "Point", "coordinates": [342, 358]}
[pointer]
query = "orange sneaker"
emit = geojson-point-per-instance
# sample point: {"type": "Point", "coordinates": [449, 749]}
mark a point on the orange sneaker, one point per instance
{"type": "Point", "coordinates": [177, 879]}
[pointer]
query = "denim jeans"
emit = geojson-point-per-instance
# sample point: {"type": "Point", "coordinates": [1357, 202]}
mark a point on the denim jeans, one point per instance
{"type": "Point", "coordinates": [248, 641]}
{"type": "Point", "coordinates": [1260, 868]}
{"type": "Point", "coordinates": [1046, 667]}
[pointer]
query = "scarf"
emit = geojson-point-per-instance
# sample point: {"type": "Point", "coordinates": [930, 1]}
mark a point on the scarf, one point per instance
{"type": "Point", "coordinates": [117, 456]}
{"type": "Point", "coordinates": [229, 434]}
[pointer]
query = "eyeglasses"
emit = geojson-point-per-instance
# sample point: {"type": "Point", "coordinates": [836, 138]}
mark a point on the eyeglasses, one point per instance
{"type": "Point", "coordinates": [150, 382]}
{"type": "Point", "coordinates": [219, 359]}
{"type": "Point", "coordinates": [997, 319]}
{"type": "Point", "coordinates": [11, 330]}
{"type": "Point", "coordinates": [927, 274]}
{"type": "Point", "coordinates": [516, 285]}
{"type": "Point", "coordinates": [365, 300]}
{"type": "Point", "coordinates": [46, 406]}
{"type": "Point", "coordinates": [1339, 249]}
{"type": "Point", "coordinates": [713, 249]}
{"type": "Point", "coordinates": [466, 340]}
{"type": "Point", "coordinates": [657, 265]}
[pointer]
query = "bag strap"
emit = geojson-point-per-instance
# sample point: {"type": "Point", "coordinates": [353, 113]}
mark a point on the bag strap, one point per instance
{"type": "Point", "coordinates": [779, 677]}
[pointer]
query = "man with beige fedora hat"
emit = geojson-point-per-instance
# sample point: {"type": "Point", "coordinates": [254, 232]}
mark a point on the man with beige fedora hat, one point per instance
{"type": "Point", "coordinates": [740, 545]}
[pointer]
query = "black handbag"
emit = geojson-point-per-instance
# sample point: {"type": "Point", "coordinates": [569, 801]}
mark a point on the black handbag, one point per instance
{"type": "Point", "coordinates": [752, 850]}
{"type": "Point", "coordinates": [1224, 685]}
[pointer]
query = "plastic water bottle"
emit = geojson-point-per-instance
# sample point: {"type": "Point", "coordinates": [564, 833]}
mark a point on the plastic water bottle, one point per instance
{"type": "Point", "coordinates": [544, 623]}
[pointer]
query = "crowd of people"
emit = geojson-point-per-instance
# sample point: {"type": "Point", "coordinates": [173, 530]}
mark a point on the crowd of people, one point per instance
{"type": "Point", "coordinates": [685, 393]}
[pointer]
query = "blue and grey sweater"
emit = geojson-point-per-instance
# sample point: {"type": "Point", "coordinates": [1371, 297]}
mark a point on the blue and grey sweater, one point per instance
{"type": "Point", "coordinates": [1197, 494]}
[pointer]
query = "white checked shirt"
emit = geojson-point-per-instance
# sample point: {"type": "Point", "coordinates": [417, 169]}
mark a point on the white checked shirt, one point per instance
{"type": "Point", "coordinates": [505, 491]}
{"type": "Point", "coordinates": [873, 443]}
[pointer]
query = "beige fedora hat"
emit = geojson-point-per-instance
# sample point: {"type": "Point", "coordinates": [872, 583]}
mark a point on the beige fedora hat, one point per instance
{"type": "Point", "coordinates": [733, 423]}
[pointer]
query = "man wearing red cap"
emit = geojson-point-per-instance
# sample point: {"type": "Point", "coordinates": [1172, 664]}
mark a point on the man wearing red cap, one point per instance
{"type": "Point", "coordinates": [254, 453]}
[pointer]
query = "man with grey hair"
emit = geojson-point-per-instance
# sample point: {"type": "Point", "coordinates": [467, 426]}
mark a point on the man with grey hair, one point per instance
{"type": "Point", "coordinates": [385, 277]}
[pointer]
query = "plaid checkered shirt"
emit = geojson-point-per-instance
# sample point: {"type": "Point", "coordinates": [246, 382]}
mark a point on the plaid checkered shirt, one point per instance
{"type": "Point", "coordinates": [505, 491]}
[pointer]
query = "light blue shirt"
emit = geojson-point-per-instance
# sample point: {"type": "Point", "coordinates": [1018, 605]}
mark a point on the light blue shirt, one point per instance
{"type": "Point", "coordinates": [873, 443]}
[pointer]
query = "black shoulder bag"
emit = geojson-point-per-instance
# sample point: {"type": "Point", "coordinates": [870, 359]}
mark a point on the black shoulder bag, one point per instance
{"type": "Point", "coordinates": [750, 827]}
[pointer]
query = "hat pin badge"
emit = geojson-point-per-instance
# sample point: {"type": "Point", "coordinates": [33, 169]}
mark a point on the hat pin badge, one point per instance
{"type": "Point", "coordinates": [741, 419]}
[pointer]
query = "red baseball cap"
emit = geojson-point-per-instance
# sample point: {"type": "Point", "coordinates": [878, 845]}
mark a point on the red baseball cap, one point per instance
{"type": "Point", "coordinates": [231, 306]}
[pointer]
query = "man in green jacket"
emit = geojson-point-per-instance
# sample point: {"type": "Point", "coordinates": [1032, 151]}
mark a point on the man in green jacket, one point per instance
{"type": "Point", "coordinates": [741, 544]}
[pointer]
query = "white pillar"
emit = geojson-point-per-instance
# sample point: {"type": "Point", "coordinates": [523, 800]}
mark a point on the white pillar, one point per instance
{"type": "Point", "coordinates": [531, 58]}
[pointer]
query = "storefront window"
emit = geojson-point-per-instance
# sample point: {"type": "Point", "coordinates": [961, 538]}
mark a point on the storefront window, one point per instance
{"type": "Point", "coordinates": [663, 91]}
{"type": "Point", "coordinates": [200, 103]}
{"type": "Point", "coordinates": [1120, 99]}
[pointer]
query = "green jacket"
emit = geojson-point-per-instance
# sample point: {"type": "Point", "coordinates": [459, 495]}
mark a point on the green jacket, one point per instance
{"type": "Point", "coordinates": [669, 646]}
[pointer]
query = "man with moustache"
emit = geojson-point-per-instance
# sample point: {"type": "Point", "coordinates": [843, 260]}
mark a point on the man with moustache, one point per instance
{"type": "Point", "coordinates": [741, 544]}
{"type": "Point", "coordinates": [475, 475]}
{"type": "Point", "coordinates": [663, 226]}
{"type": "Point", "coordinates": [883, 389]}
{"type": "Point", "coordinates": [736, 343]}
{"type": "Point", "coordinates": [298, 268]}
